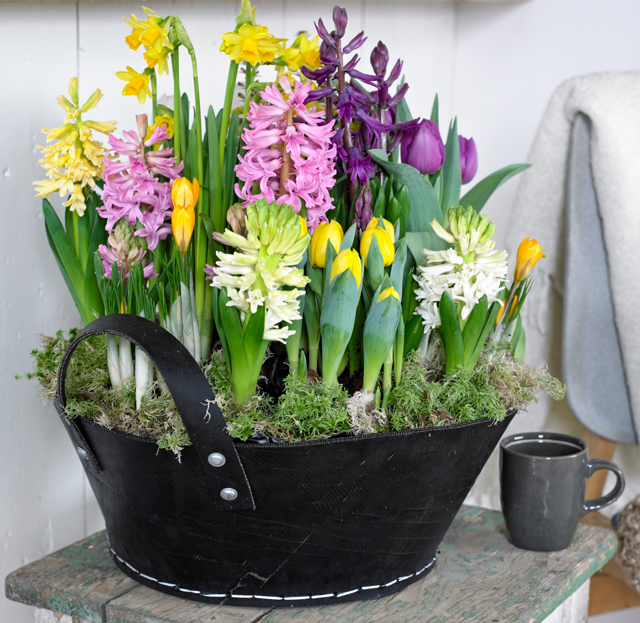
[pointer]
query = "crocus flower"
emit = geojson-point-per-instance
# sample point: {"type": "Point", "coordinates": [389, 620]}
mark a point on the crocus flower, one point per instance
{"type": "Point", "coordinates": [468, 159]}
{"type": "Point", "coordinates": [529, 252]}
{"type": "Point", "coordinates": [324, 234]}
{"type": "Point", "coordinates": [184, 195]}
{"type": "Point", "coordinates": [348, 259]}
{"type": "Point", "coordinates": [423, 148]}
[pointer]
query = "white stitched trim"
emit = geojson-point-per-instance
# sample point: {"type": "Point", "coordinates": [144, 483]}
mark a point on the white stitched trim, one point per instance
{"type": "Point", "coordinates": [270, 597]}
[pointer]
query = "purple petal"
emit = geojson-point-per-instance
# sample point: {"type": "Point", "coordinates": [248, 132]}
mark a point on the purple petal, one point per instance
{"type": "Point", "coordinates": [395, 72]}
{"type": "Point", "coordinates": [399, 95]}
{"type": "Point", "coordinates": [355, 43]}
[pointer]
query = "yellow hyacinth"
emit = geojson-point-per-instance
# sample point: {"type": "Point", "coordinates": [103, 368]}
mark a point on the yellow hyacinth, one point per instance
{"type": "Point", "coordinates": [529, 253]}
{"type": "Point", "coordinates": [137, 84]}
{"type": "Point", "coordinates": [251, 43]}
{"type": "Point", "coordinates": [347, 260]}
{"type": "Point", "coordinates": [184, 195]}
{"type": "Point", "coordinates": [73, 160]}
{"type": "Point", "coordinates": [385, 244]}
{"type": "Point", "coordinates": [323, 234]}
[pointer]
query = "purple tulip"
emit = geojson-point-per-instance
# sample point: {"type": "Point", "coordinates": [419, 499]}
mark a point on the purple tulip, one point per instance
{"type": "Point", "coordinates": [468, 158]}
{"type": "Point", "coordinates": [423, 148]}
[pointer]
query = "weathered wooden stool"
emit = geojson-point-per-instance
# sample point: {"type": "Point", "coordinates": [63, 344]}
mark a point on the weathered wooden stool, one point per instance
{"type": "Point", "coordinates": [479, 578]}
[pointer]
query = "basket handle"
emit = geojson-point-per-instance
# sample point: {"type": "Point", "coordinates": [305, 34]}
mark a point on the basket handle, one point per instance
{"type": "Point", "coordinates": [194, 399]}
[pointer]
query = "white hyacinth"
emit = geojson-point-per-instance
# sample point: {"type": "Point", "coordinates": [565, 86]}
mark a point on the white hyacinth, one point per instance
{"type": "Point", "coordinates": [254, 274]}
{"type": "Point", "coordinates": [467, 271]}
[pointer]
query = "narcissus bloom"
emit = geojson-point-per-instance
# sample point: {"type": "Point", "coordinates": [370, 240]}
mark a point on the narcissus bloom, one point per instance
{"type": "Point", "coordinates": [324, 234]}
{"type": "Point", "coordinates": [251, 43]}
{"type": "Point", "coordinates": [184, 195]}
{"type": "Point", "coordinates": [529, 253]}
{"type": "Point", "coordinates": [137, 84]}
{"type": "Point", "coordinates": [347, 260]}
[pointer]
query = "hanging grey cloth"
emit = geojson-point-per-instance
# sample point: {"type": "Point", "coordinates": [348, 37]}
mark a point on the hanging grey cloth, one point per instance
{"type": "Point", "coordinates": [592, 363]}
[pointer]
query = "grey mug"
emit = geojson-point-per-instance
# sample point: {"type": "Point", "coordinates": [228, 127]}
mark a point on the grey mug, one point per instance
{"type": "Point", "coordinates": [543, 478]}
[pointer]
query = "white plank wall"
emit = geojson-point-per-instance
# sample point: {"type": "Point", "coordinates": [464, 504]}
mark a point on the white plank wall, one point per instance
{"type": "Point", "coordinates": [495, 65]}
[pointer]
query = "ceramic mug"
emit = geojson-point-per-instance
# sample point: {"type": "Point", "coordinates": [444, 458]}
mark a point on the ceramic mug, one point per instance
{"type": "Point", "coordinates": [543, 478]}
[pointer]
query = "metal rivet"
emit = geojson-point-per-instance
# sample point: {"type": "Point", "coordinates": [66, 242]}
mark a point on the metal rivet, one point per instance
{"type": "Point", "coordinates": [216, 459]}
{"type": "Point", "coordinates": [228, 494]}
{"type": "Point", "coordinates": [83, 453]}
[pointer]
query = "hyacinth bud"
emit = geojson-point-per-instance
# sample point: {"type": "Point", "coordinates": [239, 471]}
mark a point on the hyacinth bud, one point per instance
{"type": "Point", "coordinates": [362, 208]}
{"type": "Point", "coordinates": [423, 148]}
{"type": "Point", "coordinates": [468, 159]}
{"type": "Point", "coordinates": [323, 234]}
{"type": "Point", "coordinates": [124, 247]}
{"type": "Point", "coordinates": [236, 219]}
{"type": "Point", "coordinates": [380, 59]}
{"type": "Point", "coordinates": [340, 20]}
{"type": "Point", "coordinates": [73, 90]}
{"type": "Point", "coordinates": [143, 125]}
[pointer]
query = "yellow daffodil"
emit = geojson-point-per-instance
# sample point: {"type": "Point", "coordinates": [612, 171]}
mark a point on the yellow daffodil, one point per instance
{"type": "Point", "coordinates": [73, 160]}
{"type": "Point", "coordinates": [385, 244]}
{"type": "Point", "coordinates": [184, 195]}
{"type": "Point", "coordinates": [347, 260]}
{"type": "Point", "coordinates": [309, 50]}
{"type": "Point", "coordinates": [529, 252]}
{"type": "Point", "coordinates": [137, 84]}
{"type": "Point", "coordinates": [323, 234]}
{"type": "Point", "coordinates": [158, 55]}
{"type": "Point", "coordinates": [375, 222]}
{"type": "Point", "coordinates": [251, 43]}
{"type": "Point", "coordinates": [133, 40]}
{"type": "Point", "coordinates": [154, 30]}
{"type": "Point", "coordinates": [387, 293]}
{"type": "Point", "coordinates": [161, 120]}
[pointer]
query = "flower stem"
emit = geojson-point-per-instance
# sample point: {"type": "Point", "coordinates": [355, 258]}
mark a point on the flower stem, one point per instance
{"type": "Point", "coordinates": [177, 123]}
{"type": "Point", "coordinates": [226, 111]}
{"type": "Point", "coordinates": [285, 170]}
{"type": "Point", "coordinates": [154, 95]}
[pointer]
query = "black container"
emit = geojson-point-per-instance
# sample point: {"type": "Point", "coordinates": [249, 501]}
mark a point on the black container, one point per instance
{"type": "Point", "coordinates": [304, 523]}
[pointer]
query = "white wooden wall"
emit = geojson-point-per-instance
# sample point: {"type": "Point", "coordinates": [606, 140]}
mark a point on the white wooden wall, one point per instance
{"type": "Point", "coordinates": [494, 65]}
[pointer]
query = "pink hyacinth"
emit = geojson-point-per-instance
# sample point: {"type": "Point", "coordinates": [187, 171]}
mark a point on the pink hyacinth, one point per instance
{"type": "Point", "coordinates": [282, 129]}
{"type": "Point", "coordinates": [132, 190]}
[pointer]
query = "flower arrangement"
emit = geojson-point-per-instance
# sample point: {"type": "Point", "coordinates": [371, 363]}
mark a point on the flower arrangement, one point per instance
{"type": "Point", "coordinates": [312, 249]}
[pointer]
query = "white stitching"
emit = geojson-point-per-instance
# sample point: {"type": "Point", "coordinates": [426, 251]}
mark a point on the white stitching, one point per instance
{"type": "Point", "coordinates": [271, 597]}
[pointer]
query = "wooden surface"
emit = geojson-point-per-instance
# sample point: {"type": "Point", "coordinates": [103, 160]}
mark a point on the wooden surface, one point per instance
{"type": "Point", "coordinates": [479, 578]}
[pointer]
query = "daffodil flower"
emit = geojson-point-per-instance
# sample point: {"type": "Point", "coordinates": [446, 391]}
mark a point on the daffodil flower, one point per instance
{"type": "Point", "coordinates": [251, 43]}
{"type": "Point", "coordinates": [137, 84]}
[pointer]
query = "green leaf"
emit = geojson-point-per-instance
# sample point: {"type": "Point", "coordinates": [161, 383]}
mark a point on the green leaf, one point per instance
{"type": "Point", "coordinates": [349, 236]}
{"type": "Point", "coordinates": [451, 334]}
{"type": "Point", "coordinates": [402, 108]}
{"type": "Point", "coordinates": [230, 157]}
{"type": "Point", "coordinates": [518, 341]}
{"type": "Point", "coordinates": [435, 111]}
{"type": "Point", "coordinates": [474, 326]}
{"type": "Point", "coordinates": [480, 193]}
{"type": "Point", "coordinates": [419, 240]}
{"type": "Point", "coordinates": [217, 209]}
{"type": "Point", "coordinates": [413, 333]}
{"type": "Point", "coordinates": [424, 201]}
{"type": "Point", "coordinates": [397, 268]}
{"type": "Point", "coordinates": [315, 276]}
{"type": "Point", "coordinates": [451, 175]}
{"type": "Point", "coordinates": [182, 35]}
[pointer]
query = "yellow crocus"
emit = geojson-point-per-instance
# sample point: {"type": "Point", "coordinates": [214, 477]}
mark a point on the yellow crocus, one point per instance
{"type": "Point", "coordinates": [529, 252]}
{"type": "Point", "coordinates": [375, 222]}
{"type": "Point", "coordinates": [184, 195]}
{"type": "Point", "coordinates": [251, 43]}
{"type": "Point", "coordinates": [347, 260]}
{"type": "Point", "coordinates": [137, 84]}
{"type": "Point", "coordinates": [385, 244]}
{"type": "Point", "coordinates": [323, 234]}
{"type": "Point", "coordinates": [387, 293]}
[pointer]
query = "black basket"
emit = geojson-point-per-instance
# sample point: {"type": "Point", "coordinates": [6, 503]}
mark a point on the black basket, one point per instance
{"type": "Point", "coordinates": [304, 523]}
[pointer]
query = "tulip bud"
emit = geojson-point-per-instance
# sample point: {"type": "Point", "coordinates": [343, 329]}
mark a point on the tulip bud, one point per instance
{"type": "Point", "coordinates": [323, 234]}
{"type": "Point", "coordinates": [388, 292]}
{"type": "Point", "coordinates": [380, 59]}
{"type": "Point", "coordinates": [385, 243]}
{"type": "Point", "coordinates": [375, 222]}
{"type": "Point", "coordinates": [340, 20]}
{"type": "Point", "coordinates": [468, 159]}
{"type": "Point", "coordinates": [423, 148]}
{"type": "Point", "coordinates": [347, 260]}
{"type": "Point", "coordinates": [529, 252]}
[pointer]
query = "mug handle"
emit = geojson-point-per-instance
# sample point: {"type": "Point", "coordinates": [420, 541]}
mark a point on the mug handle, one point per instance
{"type": "Point", "coordinates": [594, 465]}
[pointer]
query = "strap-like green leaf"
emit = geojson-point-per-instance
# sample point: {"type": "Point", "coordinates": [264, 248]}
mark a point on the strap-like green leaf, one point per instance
{"type": "Point", "coordinates": [474, 326]}
{"type": "Point", "coordinates": [451, 176]}
{"type": "Point", "coordinates": [481, 192]}
{"type": "Point", "coordinates": [451, 334]}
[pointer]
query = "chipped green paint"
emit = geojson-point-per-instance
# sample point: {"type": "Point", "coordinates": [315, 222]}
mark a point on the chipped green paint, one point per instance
{"type": "Point", "coordinates": [479, 578]}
